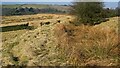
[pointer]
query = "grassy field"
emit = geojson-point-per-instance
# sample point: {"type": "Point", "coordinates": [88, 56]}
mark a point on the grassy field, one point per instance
{"type": "Point", "coordinates": [24, 5]}
{"type": "Point", "coordinates": [61, 43]}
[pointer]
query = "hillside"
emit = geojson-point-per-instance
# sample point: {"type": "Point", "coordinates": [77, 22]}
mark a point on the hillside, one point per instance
{"type": "Point", "coordinates": [40, 6]}
{"type": "Point", "coordinates": [27, 9]}
{"type": "Point", "coordinates": [55, 41]}
{"type": "Point", "coordinates": [24, 5]}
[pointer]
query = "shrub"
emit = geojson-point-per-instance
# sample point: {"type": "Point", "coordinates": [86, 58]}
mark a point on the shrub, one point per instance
{"type": "Point", "coordinates": [88, 12]}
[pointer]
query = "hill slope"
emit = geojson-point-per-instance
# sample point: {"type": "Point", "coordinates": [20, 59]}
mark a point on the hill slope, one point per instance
{"type": "Point", "coordinates": [60, 43]}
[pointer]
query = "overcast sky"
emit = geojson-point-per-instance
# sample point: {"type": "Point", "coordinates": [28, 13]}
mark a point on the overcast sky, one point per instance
{"type": "Point", "coordinates": [53, 0]}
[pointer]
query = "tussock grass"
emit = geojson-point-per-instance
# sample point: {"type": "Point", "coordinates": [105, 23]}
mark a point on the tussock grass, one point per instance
{"type": "Point", "coordinates": [88, 45]}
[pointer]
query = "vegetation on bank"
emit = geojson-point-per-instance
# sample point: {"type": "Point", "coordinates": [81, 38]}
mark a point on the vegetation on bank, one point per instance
{"type": "Point", "coordinates": [89, 46]}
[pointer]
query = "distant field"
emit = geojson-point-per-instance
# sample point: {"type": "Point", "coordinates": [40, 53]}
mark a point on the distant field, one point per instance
{"type": "Point", "coordinates": [40, 6]}
{"type": "Point", "coordinates": [24, 5]}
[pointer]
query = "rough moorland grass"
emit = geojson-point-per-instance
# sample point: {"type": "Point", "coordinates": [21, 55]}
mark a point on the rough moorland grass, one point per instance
{"type": "Point", "coordinates": [88, 45]}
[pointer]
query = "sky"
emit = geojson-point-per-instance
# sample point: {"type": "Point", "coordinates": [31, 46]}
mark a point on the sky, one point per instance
{"type": "Point", "coordinates": [109, 4]}
{"type": "Point", "coordinates": [55, 0]}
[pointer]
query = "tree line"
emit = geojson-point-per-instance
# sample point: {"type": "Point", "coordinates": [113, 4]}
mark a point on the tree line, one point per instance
{"type": "Point", "coordinates": [28, 11]}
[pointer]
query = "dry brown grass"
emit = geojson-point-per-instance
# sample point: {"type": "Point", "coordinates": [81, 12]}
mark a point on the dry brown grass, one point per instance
{"type": "Point", "coordinates": [77, 45]}
{"type": "Point", "coordinates": [88, 45]}
{"type": "Point", "coordinates": [26, 18]}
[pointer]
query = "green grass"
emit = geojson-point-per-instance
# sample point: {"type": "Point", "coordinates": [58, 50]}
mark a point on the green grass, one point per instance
{"type": "Point", "coordinates": [25, 5]}
{"type": "Point", "coordinates": [35, 6]}
{"type": "Point", "coordinates": [10, 6]}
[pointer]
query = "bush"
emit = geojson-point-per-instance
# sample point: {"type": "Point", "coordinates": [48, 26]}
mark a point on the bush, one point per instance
{"type": "Point", "coordinates": [88, 12]}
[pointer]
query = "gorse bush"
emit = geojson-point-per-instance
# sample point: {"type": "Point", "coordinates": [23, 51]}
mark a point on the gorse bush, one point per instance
{"type": "Point", "coordinates": [88, 12]}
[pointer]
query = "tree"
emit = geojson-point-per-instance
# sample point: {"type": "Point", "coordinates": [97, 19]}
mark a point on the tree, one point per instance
{"type": "Point", "coordinates": [31, 9]}
{"type": "Point", "coordinates": [88, 12]}
{"type": "Point", "coordinates": [117, 10]}
{"type": "Point", "coordinates": [21, 9]}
